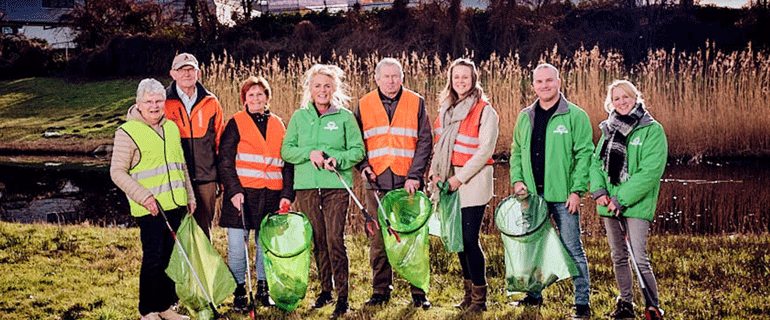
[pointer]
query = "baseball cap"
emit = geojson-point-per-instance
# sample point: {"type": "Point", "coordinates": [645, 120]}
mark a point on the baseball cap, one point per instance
{"type": "Point", "coordinates": [184, 59]}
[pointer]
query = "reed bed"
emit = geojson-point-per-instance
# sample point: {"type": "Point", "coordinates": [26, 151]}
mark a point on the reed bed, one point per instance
{"type": "Point", "coordinates": [711, 104]}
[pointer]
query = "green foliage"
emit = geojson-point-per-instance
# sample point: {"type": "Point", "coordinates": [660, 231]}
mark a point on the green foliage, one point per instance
{"type": "Point", "coordinates": [95, 276]}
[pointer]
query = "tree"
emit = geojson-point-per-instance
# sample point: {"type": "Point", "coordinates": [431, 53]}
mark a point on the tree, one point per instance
{"type": "Point", "coordinates": [95, 22]}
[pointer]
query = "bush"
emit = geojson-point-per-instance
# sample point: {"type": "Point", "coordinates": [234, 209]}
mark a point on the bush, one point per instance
{"type": "Point", "coordinates": [21, 57]}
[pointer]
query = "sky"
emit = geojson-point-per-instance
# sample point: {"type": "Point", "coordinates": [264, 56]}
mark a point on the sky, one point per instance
{"type": "Point", "coordinates": [726, 3]}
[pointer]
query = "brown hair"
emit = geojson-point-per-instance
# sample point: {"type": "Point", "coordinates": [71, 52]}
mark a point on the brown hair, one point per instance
{"type": "Point", "coordinates": [254, 81]}
{"type": "Point", "coordinates": [450, 95]}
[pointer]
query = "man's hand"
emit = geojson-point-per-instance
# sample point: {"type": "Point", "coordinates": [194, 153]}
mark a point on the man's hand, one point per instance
{"type": "Point", "coordinates": [237, 200]}
{"type": "Point", "coordinates": [151, 205]}
{"type": "Point", "coordinates": [612, 208]}
{"type": "Point", "coordinates": [368, 174]}
{"type": "Point", "coordinates": [603, 200]}
{"type": "Point", "coordinates": [520, 188]}
{"type": "Point", "coordinates": [573, 203]}
{"type": "Point", "coordinates": [317, 159]}
{"type": "Point", "coordinates": [454, 183]}
{"type": "Point", "coordinates": [411, 186]}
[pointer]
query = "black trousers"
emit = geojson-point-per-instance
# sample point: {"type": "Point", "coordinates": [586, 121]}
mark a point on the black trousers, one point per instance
{"type": "Point", "coordinates": [472, 257]}
{"type": "Point", "coordinates": [156, 290]}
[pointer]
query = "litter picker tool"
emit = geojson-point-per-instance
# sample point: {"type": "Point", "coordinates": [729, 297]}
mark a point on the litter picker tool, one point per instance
{"type": "Point", "coordinates": [369, 221]}
{"type": "Point", "coordinates": [384, 216]}
{"type": "Point", "coordinates": [651, 311]}
{"type": "Point", "coordinates": [252, 312]}
{"type": "Point", "coordinates": [217, 315]}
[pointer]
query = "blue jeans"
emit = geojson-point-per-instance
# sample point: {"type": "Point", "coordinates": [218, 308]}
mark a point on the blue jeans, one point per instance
{"type": "Point", "coordinates": [236, 255]}
{"type": "Point", "coordinates": [569, 232]}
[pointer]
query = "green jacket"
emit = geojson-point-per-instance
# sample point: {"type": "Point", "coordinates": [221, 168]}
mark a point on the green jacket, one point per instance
{"type": "Point", "coordinates": [568, 149]}
{"type": "Point", "coordinates": [336, 132]}
{"type": "Point", "coordinates": [647, 153]}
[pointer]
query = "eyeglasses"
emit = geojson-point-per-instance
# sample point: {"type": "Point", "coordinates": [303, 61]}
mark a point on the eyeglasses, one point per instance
{"type": "Point", "coordinates": [186, 70]}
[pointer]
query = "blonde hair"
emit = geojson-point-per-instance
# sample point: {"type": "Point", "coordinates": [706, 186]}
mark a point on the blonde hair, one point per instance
{"type": "Point", "coordinates": [450, 95]}
{"type": "Point", "coordinates": [628, 88]}
{"type": "Point", "coordinates": [340, 97]}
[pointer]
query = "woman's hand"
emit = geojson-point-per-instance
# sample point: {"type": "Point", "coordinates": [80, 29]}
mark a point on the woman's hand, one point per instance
{"type": "Point", "coordinates": [330, 164]}
{"type": "Point", "coordinates": [151, 205]}
{"type": "Point", "coordinates": [454, 183]}
{"type": "Point", "coordinates": [612, 208]}
{"type": "Point", "coordinates": [285, 203]}
{"type": "Point", "coordinates": [317, 159]}
{"type": "Point", "coordinates": [237, 200]}
{"type": "Point", "coordinates": [603, 200]}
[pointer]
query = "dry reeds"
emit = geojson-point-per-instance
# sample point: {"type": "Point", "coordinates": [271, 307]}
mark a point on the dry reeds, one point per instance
{"type": "Point", "coordinates": [709, 102]}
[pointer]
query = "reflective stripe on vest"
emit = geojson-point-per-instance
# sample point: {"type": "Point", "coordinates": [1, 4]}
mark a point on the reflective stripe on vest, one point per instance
{"type": "Point", "coordinates": [258, 162]}
{"type": "Point", "coordinates": [467, 141]}
{"type": "Point", "coordinates": [390, 144]}
{"type": "Point", "coordinates": [160, 168]}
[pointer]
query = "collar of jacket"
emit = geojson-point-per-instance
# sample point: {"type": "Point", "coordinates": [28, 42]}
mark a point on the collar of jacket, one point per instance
{"type": "Point", "coordinates": [331, 110]}
{"type": "Point", "coordinates": [562, 107]}
{"type": "Point", "coordinates": [171, 93]}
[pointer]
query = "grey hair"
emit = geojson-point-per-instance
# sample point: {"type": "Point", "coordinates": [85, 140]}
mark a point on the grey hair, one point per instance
{"type": "Point", "coordinates": [388, 62]}
{"type": "Point", "coordinates": [340, 97]}
{"type": "Point", "coordinates": [546, 66]}
{"type": "Point", "coordinates": [149, 86]}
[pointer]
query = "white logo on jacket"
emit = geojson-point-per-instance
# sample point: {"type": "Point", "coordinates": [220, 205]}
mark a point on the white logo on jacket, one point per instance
{"type": "Point", "coordinates": [331, 125]}
{"type": "Point", "coordinates": [562, 129]}
{"type": "Point", "coordinates": [636, 142]}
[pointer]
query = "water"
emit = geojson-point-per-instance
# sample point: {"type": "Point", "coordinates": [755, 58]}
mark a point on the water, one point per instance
{"type": "Point", "coordinates": [708, 198]}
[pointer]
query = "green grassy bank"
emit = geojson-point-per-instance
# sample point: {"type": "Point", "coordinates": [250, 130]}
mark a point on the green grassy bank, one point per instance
{"type": "Point", "coordinates": [85, 272]}
{"type": "Point", "coordinates": [82, 112]}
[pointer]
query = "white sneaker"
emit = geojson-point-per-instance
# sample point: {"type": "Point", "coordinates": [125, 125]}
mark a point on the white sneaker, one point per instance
{"type": "Point", "coordinates": [170, 314]}
{"type": "Point", "coordinates": [151, 316]}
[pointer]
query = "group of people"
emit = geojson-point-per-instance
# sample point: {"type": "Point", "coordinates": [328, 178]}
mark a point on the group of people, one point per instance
{"type": "Point", "coordinates": [263, 166]}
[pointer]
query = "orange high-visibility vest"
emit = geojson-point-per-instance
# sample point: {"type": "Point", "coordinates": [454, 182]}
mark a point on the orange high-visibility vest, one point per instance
{"type": "Point", "coordinates": [390, 144]}
{"type": "Point", "coordinates": [258, 161]}
{"type": "Point", "coordinates": [467, 142]}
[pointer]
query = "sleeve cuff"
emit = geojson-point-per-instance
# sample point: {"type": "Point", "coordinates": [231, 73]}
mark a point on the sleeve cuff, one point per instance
{"type": "Point", "coordinates": [620, 207]}
{"type": "Point", "coordinates": [599, 193]}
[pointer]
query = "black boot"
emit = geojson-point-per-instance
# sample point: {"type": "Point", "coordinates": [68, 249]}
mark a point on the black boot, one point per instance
{"type": "Point", "coordinates": [324, 298]}
{"type": "Point", "coordinates": [263, 294]}
{"type": "Point", "coordinates": [342, 307]}
{"type": "Point", "coordinates": [240, 302]}
{"type": "Point", "coordinates": [623, 310]}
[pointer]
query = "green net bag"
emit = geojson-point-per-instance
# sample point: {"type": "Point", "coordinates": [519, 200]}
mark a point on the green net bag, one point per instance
{"type": "Point", "coordinates": [408, 216]}
{"type": "Point", "coordinates": [534, 255]}
{"type": "Point", "coordinates": [209, 266]}
{"type": "Point", "coordinates": [446, 221]}
{"type": "Point", "coordinates": [286, 240]}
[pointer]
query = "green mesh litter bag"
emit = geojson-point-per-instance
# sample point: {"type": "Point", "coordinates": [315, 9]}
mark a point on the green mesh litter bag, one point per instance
{"type": "Point", "coordinates": [209, 266]}
{"type": "Point", "coordinates": [286, 241]}
{"type": "Point", "coordinates": [408, 216]}
{"type": "Point", "coordinates": [447, 220]}
{"type": "Point", "coordinates": [534, 255]}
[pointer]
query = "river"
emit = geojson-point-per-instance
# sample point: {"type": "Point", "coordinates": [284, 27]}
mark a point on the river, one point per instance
{"type": "Point", "coordinates": [713, 197]}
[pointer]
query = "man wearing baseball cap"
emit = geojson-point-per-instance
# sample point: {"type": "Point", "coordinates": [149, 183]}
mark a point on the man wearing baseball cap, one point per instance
{"type": "Point", "coordinates": [198, 114]}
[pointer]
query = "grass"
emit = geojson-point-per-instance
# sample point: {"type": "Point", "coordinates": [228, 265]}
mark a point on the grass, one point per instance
{"type": "Point", "coordinates": [86, 272]}
{"type": "Point", "coordinates": [29, 107]}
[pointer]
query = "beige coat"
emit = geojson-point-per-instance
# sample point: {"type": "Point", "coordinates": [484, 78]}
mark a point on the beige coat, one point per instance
{"type": "Point", "coordinates": [125, 155]}
{"type": "Point", "coordinates": [477, 176]}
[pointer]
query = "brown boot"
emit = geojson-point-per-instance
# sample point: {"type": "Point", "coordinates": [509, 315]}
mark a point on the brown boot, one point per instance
{"type": "Point", "coordinates": [478, 299]}
{"type": "Point", "coordinates": [466, 301]}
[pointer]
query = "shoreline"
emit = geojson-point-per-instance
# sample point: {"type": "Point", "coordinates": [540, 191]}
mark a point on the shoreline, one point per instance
{"type": "Point", "coordinates": [65, 146]}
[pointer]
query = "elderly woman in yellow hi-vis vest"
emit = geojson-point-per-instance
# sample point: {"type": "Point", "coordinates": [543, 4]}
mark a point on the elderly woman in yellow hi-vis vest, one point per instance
{"type": "Point", "coordinates": [148, 165]}
{"type": "Point", "coordinates": [466, 133]}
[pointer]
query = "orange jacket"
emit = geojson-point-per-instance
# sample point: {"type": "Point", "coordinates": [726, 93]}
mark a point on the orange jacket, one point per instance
{"type": "Point", "coordinates": [467, 142]}
{"type": "Point", "coordinates": [200, 131]}
{"type": "Point", "coordinates": [390, 144]}
{"type": "Point", "coordinates": [258, 161]}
